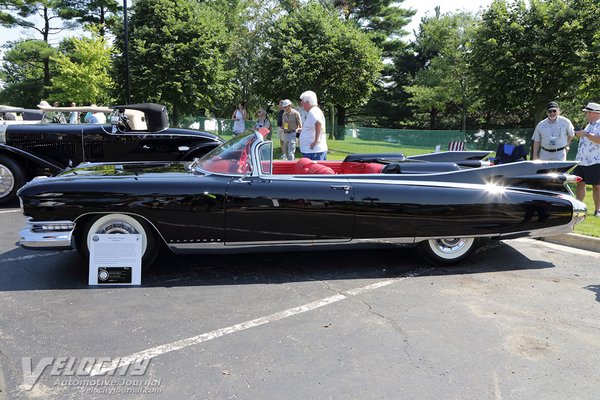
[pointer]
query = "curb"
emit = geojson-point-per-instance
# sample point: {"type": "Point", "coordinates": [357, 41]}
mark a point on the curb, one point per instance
{"type": "Point", "coordinates": [575, 240]}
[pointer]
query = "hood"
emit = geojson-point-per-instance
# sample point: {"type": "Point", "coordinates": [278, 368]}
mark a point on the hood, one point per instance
{"type": "Point", "coordinates": [126, 168]}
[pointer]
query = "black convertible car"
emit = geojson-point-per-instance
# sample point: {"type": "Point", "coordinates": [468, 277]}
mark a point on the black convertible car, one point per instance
{"type": "Point", "coordinates": [138, 132]}
{"type": "Point", "coordinates": [237, 196]}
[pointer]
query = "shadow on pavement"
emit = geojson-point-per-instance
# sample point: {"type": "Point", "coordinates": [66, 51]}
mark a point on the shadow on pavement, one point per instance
{"type": "Point", "coordinates": [29, 270]}
{"type": "Point", "coordinates": [595, 289]}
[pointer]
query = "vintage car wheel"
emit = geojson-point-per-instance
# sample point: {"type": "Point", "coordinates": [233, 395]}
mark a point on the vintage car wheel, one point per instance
{"type": "Point", "coordinates": [120, 224]}
{"type": "Point", "coordinates": [12, 177]}
{"type": "Point", "coordinates": [447, 251]}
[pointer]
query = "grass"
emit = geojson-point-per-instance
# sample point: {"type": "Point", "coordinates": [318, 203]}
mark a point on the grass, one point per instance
{"type": "Point", "coordinates": [591, 225]}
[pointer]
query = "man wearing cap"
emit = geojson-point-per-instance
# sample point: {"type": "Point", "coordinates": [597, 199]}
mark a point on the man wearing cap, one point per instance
{"type": "Point", "coordinates": [280, 124]}
{"type": "Point", "coordinates": [588, 155]}
{"type": "Point", "coordinates": [292, 124]}
{"type": "Point", "coordinates": [552, 135]}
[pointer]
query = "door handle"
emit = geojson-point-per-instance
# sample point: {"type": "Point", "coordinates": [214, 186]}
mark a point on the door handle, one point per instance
{"type": "Point", "coordinates": [345, 188]}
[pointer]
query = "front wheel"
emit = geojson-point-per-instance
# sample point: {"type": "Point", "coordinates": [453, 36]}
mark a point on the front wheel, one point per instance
{"type": "Point", "coordinates": [120, 224]}
{"type": "Point", "coordinates": [444, 252]}
{"type": "Point", "coordinates": [12, 177]}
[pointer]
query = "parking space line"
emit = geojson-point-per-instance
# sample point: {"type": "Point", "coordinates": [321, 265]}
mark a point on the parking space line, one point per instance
{"type": "Point", "coordinates": [204, 337]}
{"type": "Point", "coordinates": [27, 257]}
{"type": "Point", "coordinates": [9, 211]}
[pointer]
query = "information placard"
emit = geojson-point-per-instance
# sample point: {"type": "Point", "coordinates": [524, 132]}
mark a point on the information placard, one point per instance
{"type": "Point", "coordinates": [115, 260]}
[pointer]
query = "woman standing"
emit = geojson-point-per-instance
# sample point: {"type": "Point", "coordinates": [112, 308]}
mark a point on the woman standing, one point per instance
{"type": "Point", "coordinates": [239, 117]}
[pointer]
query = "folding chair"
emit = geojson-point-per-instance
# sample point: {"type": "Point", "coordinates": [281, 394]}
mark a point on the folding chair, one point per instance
{"type": "Point", "coordinates": [456, 146]}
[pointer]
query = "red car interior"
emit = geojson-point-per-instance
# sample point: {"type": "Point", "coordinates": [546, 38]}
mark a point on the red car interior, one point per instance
{"type": "Point", "coordinates": [306, 166]}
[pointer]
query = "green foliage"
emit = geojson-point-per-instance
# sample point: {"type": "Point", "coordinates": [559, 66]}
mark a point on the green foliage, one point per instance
{"type": "Point", "coordinates": [248, 23]}
{"type": "Point", "coordinates": [100, 14]}
{"type": "Point", "coordinates": [82, 73]}
{"type": "Point", "coordinates": [445, 84]}
{"type": "Point", "coordinates": [23, 73]}
{"type": "Point", "coordinates": [177, 52]}
{"type": "Point", "coordinates": [385, 22]}
{"type": "Point", "coordinates": [16, 13]}
{"type": "Point", "coordinates": [524, 56]}
{"type": "Point", "coordinates": [311, 48]}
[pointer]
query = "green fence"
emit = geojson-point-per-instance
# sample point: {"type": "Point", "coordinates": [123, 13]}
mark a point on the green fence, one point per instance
{"type": "Point", "coordinates": [480, 139]}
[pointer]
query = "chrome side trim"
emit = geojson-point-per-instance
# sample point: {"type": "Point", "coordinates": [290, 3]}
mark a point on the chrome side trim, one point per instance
{"type": "Point", "coordinates": [43, 235]}
{"type": "Point", "coordinates": [2, 134]}
{"type": "Point", "coordinates": [252, 245]}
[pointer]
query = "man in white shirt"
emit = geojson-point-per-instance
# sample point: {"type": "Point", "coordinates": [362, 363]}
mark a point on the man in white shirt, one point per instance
{"type": "Point", "coordinates": [588, 155]}
{"type": "Point", "coordinates": [313, 142]}
{"type": "Point", "coordinates": [552, 135]}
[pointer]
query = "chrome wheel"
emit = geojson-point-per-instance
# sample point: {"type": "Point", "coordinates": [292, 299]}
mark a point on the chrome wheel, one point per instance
{"type": "Point", "coordinates": [447, 251]}
{"type": "Point", "coordinates": [7, 181]}
{"type": "Point", "coordinates": [12, 177]}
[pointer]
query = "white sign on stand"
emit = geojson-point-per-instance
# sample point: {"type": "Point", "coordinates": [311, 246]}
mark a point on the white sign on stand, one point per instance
{"type": "Point", "coordinates": [115, 260]}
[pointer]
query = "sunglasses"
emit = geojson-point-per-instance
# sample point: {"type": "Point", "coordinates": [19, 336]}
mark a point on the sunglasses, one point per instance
{"type": "Point", "coordinates": [552, 111]}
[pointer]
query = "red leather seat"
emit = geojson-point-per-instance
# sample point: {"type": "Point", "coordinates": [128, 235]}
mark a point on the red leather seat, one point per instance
{"type": "Point", "coordinates": [373, 168]}
{"type": "Point", "coordinates": [320, 169]}
{"type": "Point", "coordinates": [361, 168]}
{"type": "Point", "coordinates": [308, 166]}
{"type": "Point", "coordinates": [302, 165]}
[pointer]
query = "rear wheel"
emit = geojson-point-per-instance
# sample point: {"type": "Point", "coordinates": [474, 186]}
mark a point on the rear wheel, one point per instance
{"type": "Point", "coordinates": [12, 177]}
{"type": "Point", "coordinates": [443, 252]}
{"type": "Point", "coordinates": [120, 224]}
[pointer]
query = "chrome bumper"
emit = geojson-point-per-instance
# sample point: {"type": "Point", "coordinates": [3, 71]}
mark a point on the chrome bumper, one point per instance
{"type": "Point", "coordinates": [43, 235]}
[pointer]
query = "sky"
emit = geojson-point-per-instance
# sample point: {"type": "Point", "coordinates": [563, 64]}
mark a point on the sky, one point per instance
{"type": "Point", "coordinates": [423, 7]}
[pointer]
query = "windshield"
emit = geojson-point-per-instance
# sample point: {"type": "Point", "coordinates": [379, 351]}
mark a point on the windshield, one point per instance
{"type": "Point", "coordinates": [232, 157]}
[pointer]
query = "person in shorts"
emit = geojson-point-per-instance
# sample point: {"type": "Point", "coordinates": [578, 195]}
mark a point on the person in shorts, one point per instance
{"type": "Point", "coordinates": [588, 155]}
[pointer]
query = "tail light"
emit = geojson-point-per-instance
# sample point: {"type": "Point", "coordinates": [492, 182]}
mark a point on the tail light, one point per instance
{"type": "Point", "coordinates": [572, 178]}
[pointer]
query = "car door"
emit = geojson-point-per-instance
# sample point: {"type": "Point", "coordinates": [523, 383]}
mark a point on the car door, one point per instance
{"type": "Point", "coordinates": [97, 143]}
{"type": "Point", "coordinates": [289, 209]}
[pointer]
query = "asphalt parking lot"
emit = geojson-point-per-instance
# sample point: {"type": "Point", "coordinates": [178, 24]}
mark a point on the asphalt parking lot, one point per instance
{"type": "Point", "coordinates": [516, 321]}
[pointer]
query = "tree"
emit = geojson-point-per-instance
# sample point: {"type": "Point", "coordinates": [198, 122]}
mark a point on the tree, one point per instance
{"type": "Point", "coordinates": [526, 55]}
{"type": "Point", "coordinates": [15, 13]}
{"type": "Point", "coordinates": [311, 48]}
{"type": "Point", "coordinates": [100, 14]}
{"type": "Point", "coordinates": [177, 56]}
{"type": "Point", "coordinates": [248, 23]}
{"type": "Point", "coordinates": [82, 72]}
{"type": "Point", "coordinates": [445, 84]}
{"type": "Point", "coordinates": [384, 21]}
{"type": "Point", "coordinates": [23, 72]}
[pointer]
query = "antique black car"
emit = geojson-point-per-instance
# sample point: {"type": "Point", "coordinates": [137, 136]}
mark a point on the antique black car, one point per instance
{"type": "Point", "coordinates": [138, 132]}
{"type": "Point", "coordinates": [237, 196]}
{"type": "Point", "coordinates": [17, 115]}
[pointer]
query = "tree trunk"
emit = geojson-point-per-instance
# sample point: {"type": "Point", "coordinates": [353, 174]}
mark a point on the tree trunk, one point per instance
{"type": "Point", "coordinates": [45, 34]}
{"type": "Point", "coordinates": [175, 115]}
{"type": "Point", "coordinates": [341, 122]}
{"type": "Point", "coordinates": [433, 118]}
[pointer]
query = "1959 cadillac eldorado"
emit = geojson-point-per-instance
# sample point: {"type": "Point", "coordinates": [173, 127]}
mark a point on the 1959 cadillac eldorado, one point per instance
{"type": "Point", "coordinates": [138, 132]}
{"type": "Point", "coordinates": [237, 196]}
